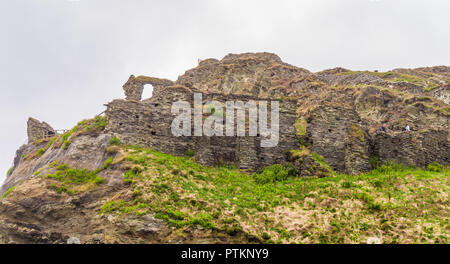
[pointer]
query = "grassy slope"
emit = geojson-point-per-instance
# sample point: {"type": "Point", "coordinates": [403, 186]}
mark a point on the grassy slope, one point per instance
{"type": "Point", "coordinates": [394, 203]}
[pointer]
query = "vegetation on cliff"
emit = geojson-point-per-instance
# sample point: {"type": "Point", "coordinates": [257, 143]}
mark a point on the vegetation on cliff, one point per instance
{"type": "Point", "coordinates": [395, 203]}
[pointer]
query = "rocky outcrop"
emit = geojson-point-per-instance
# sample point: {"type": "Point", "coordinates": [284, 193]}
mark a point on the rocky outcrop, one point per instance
{"type": "Point", "coordinates": [253, 74]}
{"type": "Point", "coordinates": [84, 152]}
{"type": "Point", "coordinates": [442, 93]}
{"type": "Point", "coordinates": [38, 130]}
{"type": "Point", "coordinates": [33, 210]}
{"type": "Point", "coordinates": [35, 213]}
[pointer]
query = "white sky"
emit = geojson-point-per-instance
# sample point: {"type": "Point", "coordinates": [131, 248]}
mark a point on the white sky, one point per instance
{"type": "Point", "coordinates": [61, 60]}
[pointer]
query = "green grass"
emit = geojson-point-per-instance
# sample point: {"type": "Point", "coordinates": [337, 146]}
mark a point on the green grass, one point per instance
{"type": "Point", "coordinates": [99, 123]}
{"type": "Point", "coordinates": [72, 180]}
{"type": "Point", "coordinates": [436, 167]}
{"type": "Point", "coordinates": [107, 163]}
{"type": "Point", "coordinates": [374, 162]}
{"type": "Point", "coordinates": [9, 171]}
{"type": "Point", "coordinates": [41, 151]}
{"type": "Point", "coordinates": [409, 79]}
{"type": "Point", "coordinates": [189, 153]}
{"type": "Point", "coordinates": [319, 159]}
{"type": "Point", "coordinates": [93, 125]}
{"type": "Point", "coordinates": [300, 126]}
{"type": "Point", "coordinates": [115, 141]}
{"type": "Point", "coordinates": [392, 200]}
{"type": "Point", "coordinates": [8, 192]}
{"type": "Point", "coordinates": [275, 173]}
{"type": "Point", "coordinates": [65, 138]}
{"type": "Point", "coordinates": [383, 75]}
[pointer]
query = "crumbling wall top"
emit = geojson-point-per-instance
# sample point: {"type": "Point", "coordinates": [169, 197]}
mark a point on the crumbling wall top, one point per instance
{"type": "Point", "coordinates": [135, 86]}
{"type": "Point", "coordinates": [37, 130]}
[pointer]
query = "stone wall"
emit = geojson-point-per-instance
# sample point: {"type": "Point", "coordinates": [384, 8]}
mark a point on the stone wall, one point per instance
{"type": "Point", "coordinates": [343, 109]}
{"type": "Point", "coordinates": [414, 147]}
{"type": "Point", "coordinates": [135, 86]}
{"type": "Point", "coordinates": [341, 137]}
{"type": "Point", "coordinates": [336, 134]}
{"type": "Point", "coordinates": [37, 130]}
{"type": "Point", "coordinates": [148, 123]}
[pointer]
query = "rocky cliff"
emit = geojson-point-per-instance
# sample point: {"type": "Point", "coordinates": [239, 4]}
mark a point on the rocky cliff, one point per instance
{"type": "Point", "coordinates": [107, 180]}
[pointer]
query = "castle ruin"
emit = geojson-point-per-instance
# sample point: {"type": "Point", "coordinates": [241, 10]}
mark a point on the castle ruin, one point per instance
{"type": "Point", "coordinates": [148, 123]}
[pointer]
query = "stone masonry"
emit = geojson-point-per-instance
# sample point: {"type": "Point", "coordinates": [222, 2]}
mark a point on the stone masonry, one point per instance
{"type": "Point", "coordinates": [37, 130]}
{"type": "Point", "coordinates": [148, 123]}
{"type": "Point", "coordinates": [135, 85]}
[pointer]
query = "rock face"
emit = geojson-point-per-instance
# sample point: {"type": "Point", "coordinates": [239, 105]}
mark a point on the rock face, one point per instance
{"type": "Point", "coordinates": [442, 93]}
{"type": "Point", "coordinates": [35, 212]}
{"type": "Point", "coordinates": [37, 130]}
{"type": "Point", "coordinates": [84, 152]}
{"type": "Point", "coordinates": [255, 74]}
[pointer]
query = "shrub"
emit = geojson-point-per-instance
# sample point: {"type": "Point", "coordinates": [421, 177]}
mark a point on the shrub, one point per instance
{"type": "Point", "coordinates": [347, 184]}
{"type": "Point", "coordinates": [112, 150]}
{"type": "Point", "coordinates": [99, 123]}
{"type": "Point", "coordinates": [265, 236]}
{"type": "Point", "coordinates": [389, 168]}
{"type": "Point", "coordinates": [129, 175]}
{"type": "Point", "coordinates": [66, 144]}
{"type": "Point", "coordinates": [275, 173]}
{"type": "Point", "coordinates": [79, 176]}
{"type": "Point", "coordinates": [40, 152]}
{"type": "Point", "coordinates": [115, 141]}
{"type": "Point", "coordinates": [374, 162]}
{"type": "Point", "coordinates": [99, 180]}
{"type": "Point", "coordinates": [189, 153]}
{"type": "Point", "coordinates": [107, 163]}
{"type": "Point", "coordinates": [436, 167]}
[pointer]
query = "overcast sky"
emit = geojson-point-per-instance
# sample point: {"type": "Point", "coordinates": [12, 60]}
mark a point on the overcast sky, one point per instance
{"type": "Point", "coordinates": [61, 60]}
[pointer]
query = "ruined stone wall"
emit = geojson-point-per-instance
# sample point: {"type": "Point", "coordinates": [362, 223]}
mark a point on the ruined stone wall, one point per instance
{"type": "Point", "coordinates": [339, 135]}
{"type": "Point", "coordinates": [336, 134]}
{"type": "Point", "coordinates": [414, 147]}
{"type": "Point", "coordinates": [135, 86]}
{"type": "Point", "coordinates": [246, 152]}
{"type": "Point", "coordinates": [343, 109]}
{"type": "Point", "coordinates": [37, 130]}
{"type": "Point", "coordinates": [148, 123]}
